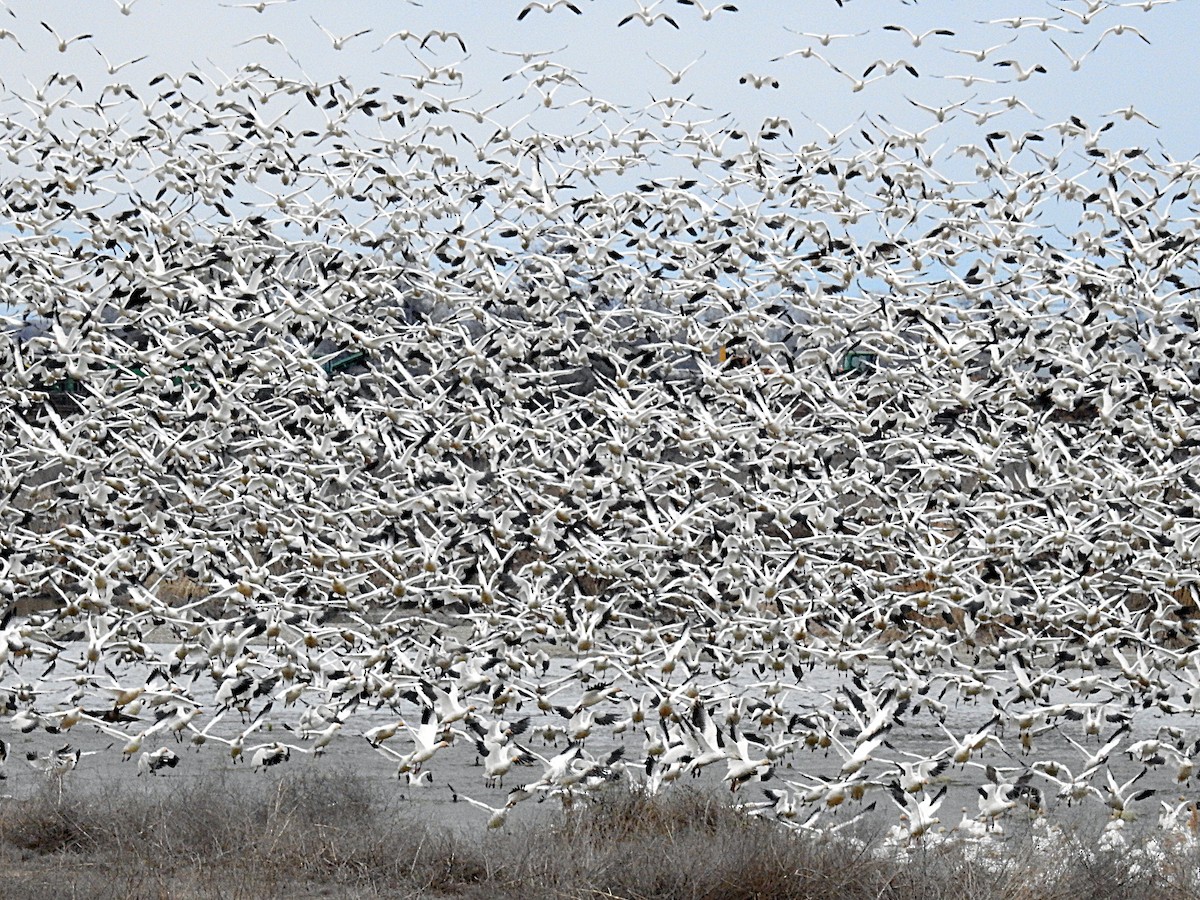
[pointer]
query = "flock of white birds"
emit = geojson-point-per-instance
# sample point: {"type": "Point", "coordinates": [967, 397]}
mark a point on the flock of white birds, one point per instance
{"type": "Point", "coordinates": [322, 399]}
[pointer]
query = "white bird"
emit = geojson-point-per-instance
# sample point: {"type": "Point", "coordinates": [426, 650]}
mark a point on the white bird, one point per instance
{"type": "Point", "coordinates": [744, 764]}
{"type": "Point", "coordinates": [1119, 29]}
{"type": "Point", "coordinates": [804, 52]}
{"type": "Point", "coordinates": [269, 38]}
{"type": "Point", "coordinates": [380, 733]}
{"type": "Point", "coordinates": [981, 54]}
{"type": "Point", "coordinates": [497, 815]}
{"type": "Point", "coordinates": [918, 814]}
{"type": "Point", "coordinates": [918, 39]}
{"type": "Point", "coordinates": [759, 81]}
{"type": "Point", "coordinates": [1041, 23]}
{"type": "Point", "coordinates": [339, 41]}
{"type": "Point", "coordinates": [403, 34]}
{"type": "Point", "coordinates": [826, 39]}
{"type": "Point", "coordinates": [64, 43]}
{"type": "Point", "coordinates": [940, 112]}
{"type": "Point", "coordinates": [267, 755]}
{"type": "Point", "coordinates": [1075, 62]}
{"type": "Point", "coordinates": [1023, 74]}
{"type": "Point", "coordinates": [675, 75]}
{"type": "Point", "coordinates": [1128, 113]}
{"type": "Point", "coordinates": [444, 37]}
{"type": "Point", "coordinates": [113, 69]}
{"type": "Point", "coordinates": [528, 56]}
{"type": "Point", "coordinates": [1119, 798]}
{"type": "Point", "coordinates": [151, 763]}
{"type": "Point", "coordinates": [707, 13]}
{"type": "Point", "coordinates": [995, 800]}
{"type": "Point", "coordinates": [258, 6]}
{"type": "Point", "coordinates": [962, 749]}
{"type": "Point", "coordinates": [891, 67]}
{"type": "Point", "coordinates": [647, 16]}
{"type": "Point", "coordinates": [548, 7]}
{"type": "Point", "coordinates": [499, 758]}
{"type": "Point", "coordinates": [55, 763]}
{"type": "Point", "coordinates": [428, 739]}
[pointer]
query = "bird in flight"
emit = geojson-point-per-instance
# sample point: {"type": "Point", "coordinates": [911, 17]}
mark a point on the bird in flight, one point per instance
{"type": "Point", "coordinates": [706, 13]}
{"type": "Point", "coordinates": [918, 39]}
{"type": "Point", "coordinates": [340, 41]}
{"type": "Point", "coordinates": [676, 75]}
{"type": "Point", "coordinates": [64, 43]}
{"type": "Point", "coordinates": [647, 16]}
{"type": "Point", "coordinates": [548, 7]}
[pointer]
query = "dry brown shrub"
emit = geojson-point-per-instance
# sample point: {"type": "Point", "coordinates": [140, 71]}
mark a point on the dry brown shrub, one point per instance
{"type": "Point", "coordinates": [330, 835]}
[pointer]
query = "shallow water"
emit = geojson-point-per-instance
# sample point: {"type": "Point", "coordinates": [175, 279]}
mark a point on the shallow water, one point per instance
{"type": "Point", "coordinates": [918, 736]}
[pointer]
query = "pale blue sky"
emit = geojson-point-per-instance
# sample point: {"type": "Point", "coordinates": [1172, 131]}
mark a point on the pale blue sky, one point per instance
{"type": "Point", "coordinates": [611, 62]}
{"type": "Point", "coordinates": [1158, 79]}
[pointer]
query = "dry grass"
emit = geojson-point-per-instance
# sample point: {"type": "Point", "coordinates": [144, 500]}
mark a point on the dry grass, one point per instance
{"type": "Point", "coordinates": [180, 589]}
{"type": "Point", "coordinates": [328, 836]}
